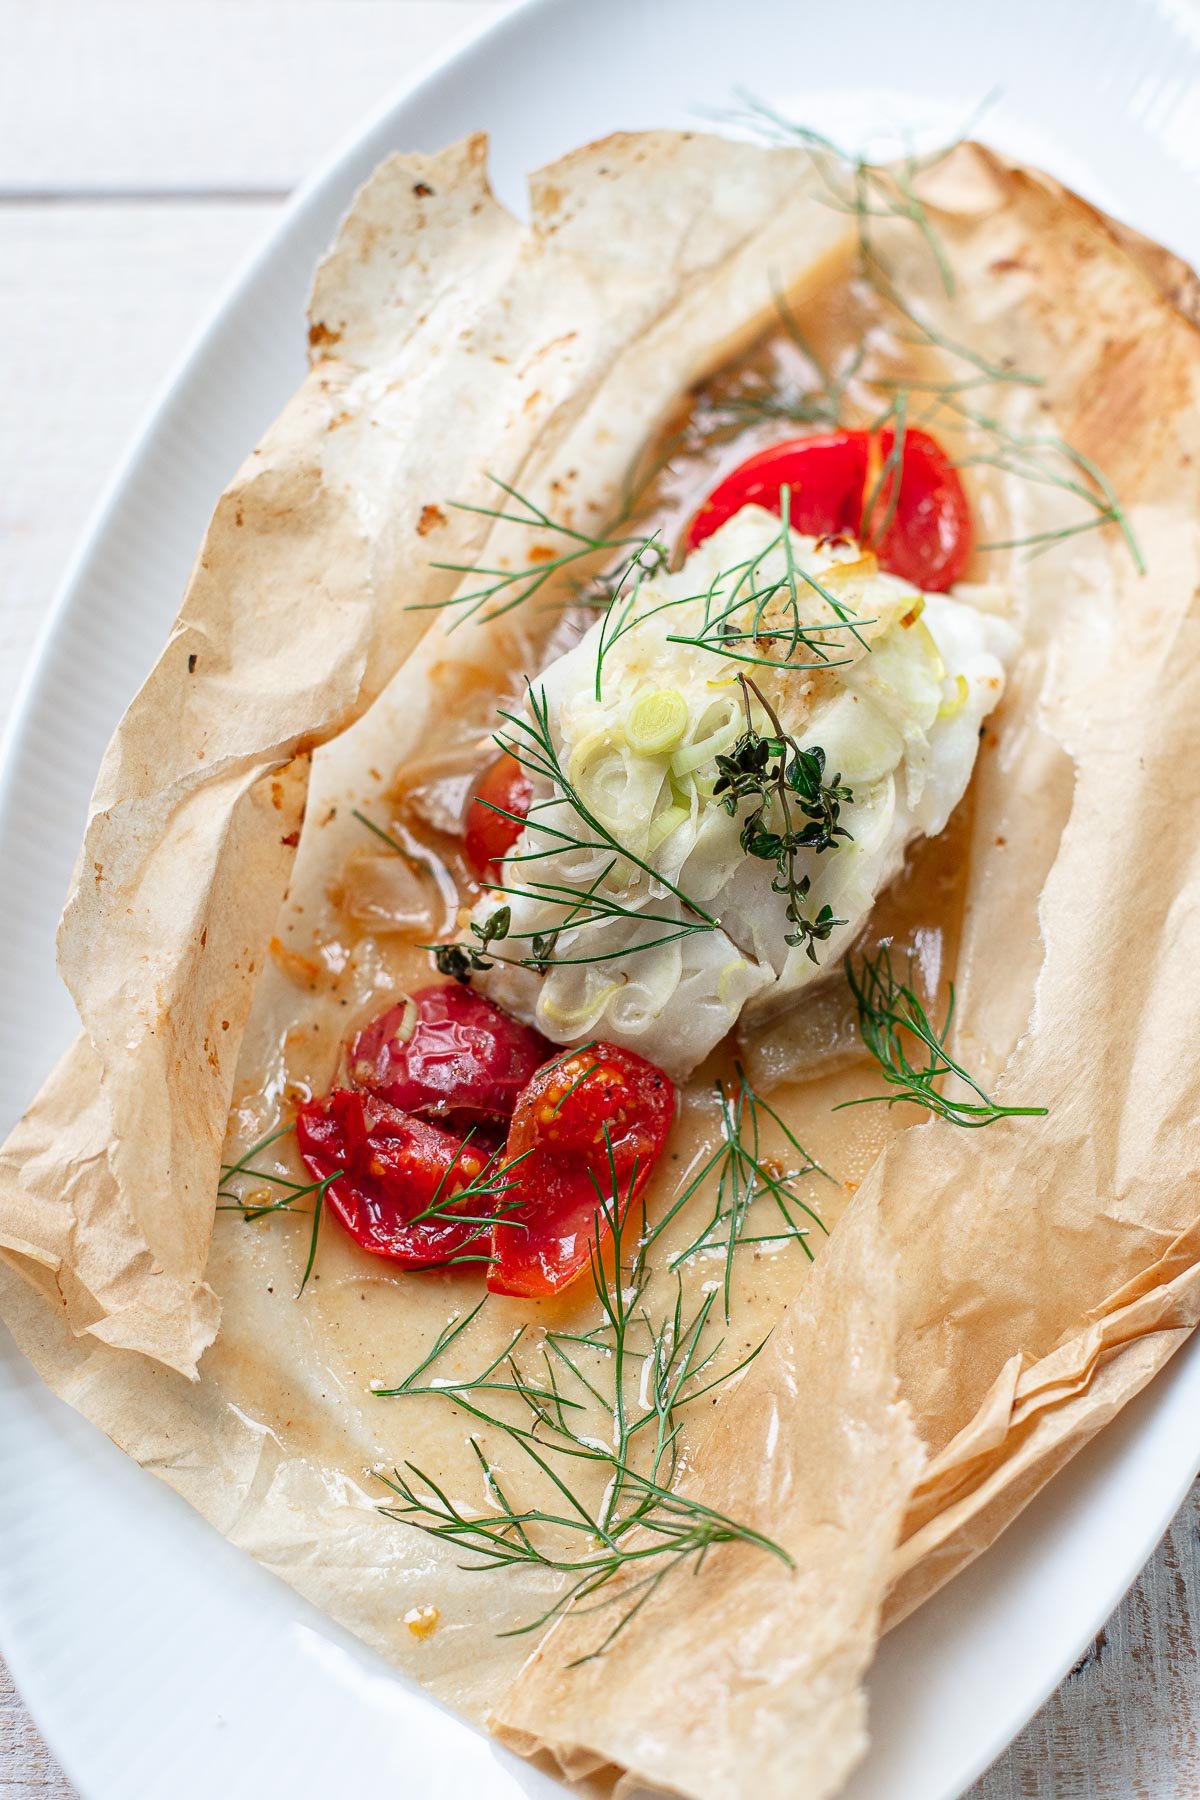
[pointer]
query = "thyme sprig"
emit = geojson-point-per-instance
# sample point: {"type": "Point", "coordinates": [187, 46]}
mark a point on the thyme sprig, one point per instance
{"type": "Point", "coordinates": [461, 960]}
{"type": "Point", "coordinates": [894, 1025]}
{"type": "Point", "coordinates": [641, 1373]}
{"type": "Point", "coordinates": [775, 772]}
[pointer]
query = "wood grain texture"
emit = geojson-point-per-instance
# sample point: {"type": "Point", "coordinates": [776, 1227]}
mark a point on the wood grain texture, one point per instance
{"type": "Point", "coordinates": [145, 146]}
{"type": "Point", "coordinates": [1126, 1721]}
{"type": "Point", "coordinates": [27, 1770]}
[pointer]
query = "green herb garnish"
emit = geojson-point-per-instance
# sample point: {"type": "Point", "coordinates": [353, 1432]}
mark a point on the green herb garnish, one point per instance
{"type": "Point", "coordinates": [894, 1025]}
{"type": "Point", "coordinates": [640, 1373]}
{"type": "Point", "coordinates": [870, 191]}
{"type": "Point", "coordinates": [743, 1173]}
{"type": "Point", "coordinates": [229, 1200]}
{"type": "Point", "coordinates": [774, 772]}
{"type": "Point", "coordinates": [501, 590]}
{"type": "Point", "coordinates": [463, 960]}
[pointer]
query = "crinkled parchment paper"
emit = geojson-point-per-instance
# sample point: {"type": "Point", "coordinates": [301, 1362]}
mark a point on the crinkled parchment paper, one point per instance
{"type": "Point", "coordinates": [995, 1295]}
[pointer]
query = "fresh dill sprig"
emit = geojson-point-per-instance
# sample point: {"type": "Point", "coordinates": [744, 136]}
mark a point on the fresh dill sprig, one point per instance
{"type": "Point", "coordinates": [417, 864]}
{"type": "Point", "coordinates": [876, 190]}
{"type": "Point", "coordinates": [774, 605]}
{"type": "Point", "coordinates": [777, 611]}
{"type": "Point", "coordinates": [582, 907]}
{"type": "Point", "coordinates": [639, 1373]}
{"type": "Point", "coordinates": [869, 191]}
{"type": "Point", "coordinates": [530, 741]}
{"type": "Point", "coordinates": [743, 1173]}
{"type": "Point", "coordinates": [490, 1188]}
{"type": "Point", "coordinates": [818, 404]}
{"type": "Point", "coordinates": [501, 590]}
{"type": "Point", "coordinates": [768, 405]}
{"type": "Point", "coordinates": [229, 1200]}
{"type": "Point", "coordinates": [891, 1018]}
{"type": "Point", "coordinates": [1047, 460]}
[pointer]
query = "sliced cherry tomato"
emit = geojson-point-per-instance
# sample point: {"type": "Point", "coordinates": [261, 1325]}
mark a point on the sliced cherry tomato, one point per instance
{"type": "Point", "coordinates": [928, 538]}
{"type": "Point", "coordinates": [490, 834]}
{"type": "Point", "coordinates": [826, 476]}
{"type": "Point", "coordinates": [572, 1112]}
{"type": "Point", "coordinates": [465, 1059]}
{"type": "Point", "coordinates": [925, 536]}
{"type": "Point", "coordinates": [394, 1167]}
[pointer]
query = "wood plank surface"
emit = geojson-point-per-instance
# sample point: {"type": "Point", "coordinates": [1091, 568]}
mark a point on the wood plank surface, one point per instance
{"type": "Point", "coordinates": [1125, 1724]}
{"type": "Point", "coordinates": [27, 1770]}
{"type": "Point", "coordinates": [145, 145]}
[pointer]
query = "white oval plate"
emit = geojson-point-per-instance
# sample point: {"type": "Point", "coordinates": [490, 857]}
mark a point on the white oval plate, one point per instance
{"type": "Point", "coordinates": [157, 1659]}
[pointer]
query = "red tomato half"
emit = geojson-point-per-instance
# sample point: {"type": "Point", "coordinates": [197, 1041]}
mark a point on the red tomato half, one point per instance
{"type": "Point", "coordinates": [394, 1167]}
{"type": "Point", "coordinates": [490, 834]}
{"type": "Point", "coordinates": [826, 476]}
{"type": "Point", "coordinates": [928, 539]}
{"type": "Point", "coordinates": [566, 1119]}
{"type": "Point", "coordinates": [925, 536]}
{"type": "Point", "coordinates": [466, 1060]}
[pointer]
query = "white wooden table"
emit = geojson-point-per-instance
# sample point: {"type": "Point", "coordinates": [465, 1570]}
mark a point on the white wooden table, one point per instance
{"type": "Point", "coordinates": [145, 145]}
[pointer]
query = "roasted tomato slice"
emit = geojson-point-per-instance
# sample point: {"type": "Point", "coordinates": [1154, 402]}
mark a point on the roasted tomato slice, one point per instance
{"type": "Point", "coordinates": [922, 532]}
{"type": "Point", "coordinates": [557, 1157]}
{"type": "Point", "coordinates": [463, 1058]}
{"type": "Point", "coordinates": [491, 834]}
{"type": "Point", "coordinates": [394, 1169]}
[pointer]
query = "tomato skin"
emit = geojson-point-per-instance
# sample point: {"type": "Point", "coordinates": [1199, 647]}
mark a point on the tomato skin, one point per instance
{"type": "Point", "coordinates": [392, 1165]}
{"type": "Point", "coordinates": [573, 1110]}
{"type": "Point", "coordinates": [465, 1062]}
{"type": "Point", "coordinates": [927, 539]}
{"type": "Point", "coordinates": [826, 475]}
{"type": "Point", "coordinates": [490, 836]}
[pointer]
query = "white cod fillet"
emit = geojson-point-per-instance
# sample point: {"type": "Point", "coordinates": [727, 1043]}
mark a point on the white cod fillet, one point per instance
{"type": "Point", "coordinates": [658, 926]}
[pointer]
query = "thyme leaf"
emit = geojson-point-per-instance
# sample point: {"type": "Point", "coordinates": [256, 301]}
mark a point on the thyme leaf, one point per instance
{"type": "Point", "coordinates": [773, 772]}
{"type": "Point", "coordinates": [460, 960]}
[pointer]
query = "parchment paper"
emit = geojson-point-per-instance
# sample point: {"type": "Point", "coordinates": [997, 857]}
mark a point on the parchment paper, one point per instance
{"type": "Point", "coordinates": [1013, 1286]}
{"type": "Point", "coordinates": [1046, 1272]}
{"type": "Point", "coordinates": [452, 348]}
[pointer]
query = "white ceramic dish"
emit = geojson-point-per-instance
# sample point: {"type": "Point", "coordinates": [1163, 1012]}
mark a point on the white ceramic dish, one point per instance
{"type": "Point", "coordinates": [156, 1659]}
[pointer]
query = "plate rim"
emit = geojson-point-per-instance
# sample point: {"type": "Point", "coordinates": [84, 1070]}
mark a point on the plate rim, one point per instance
{"type": "Point", "coordinates": [69, 594]}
